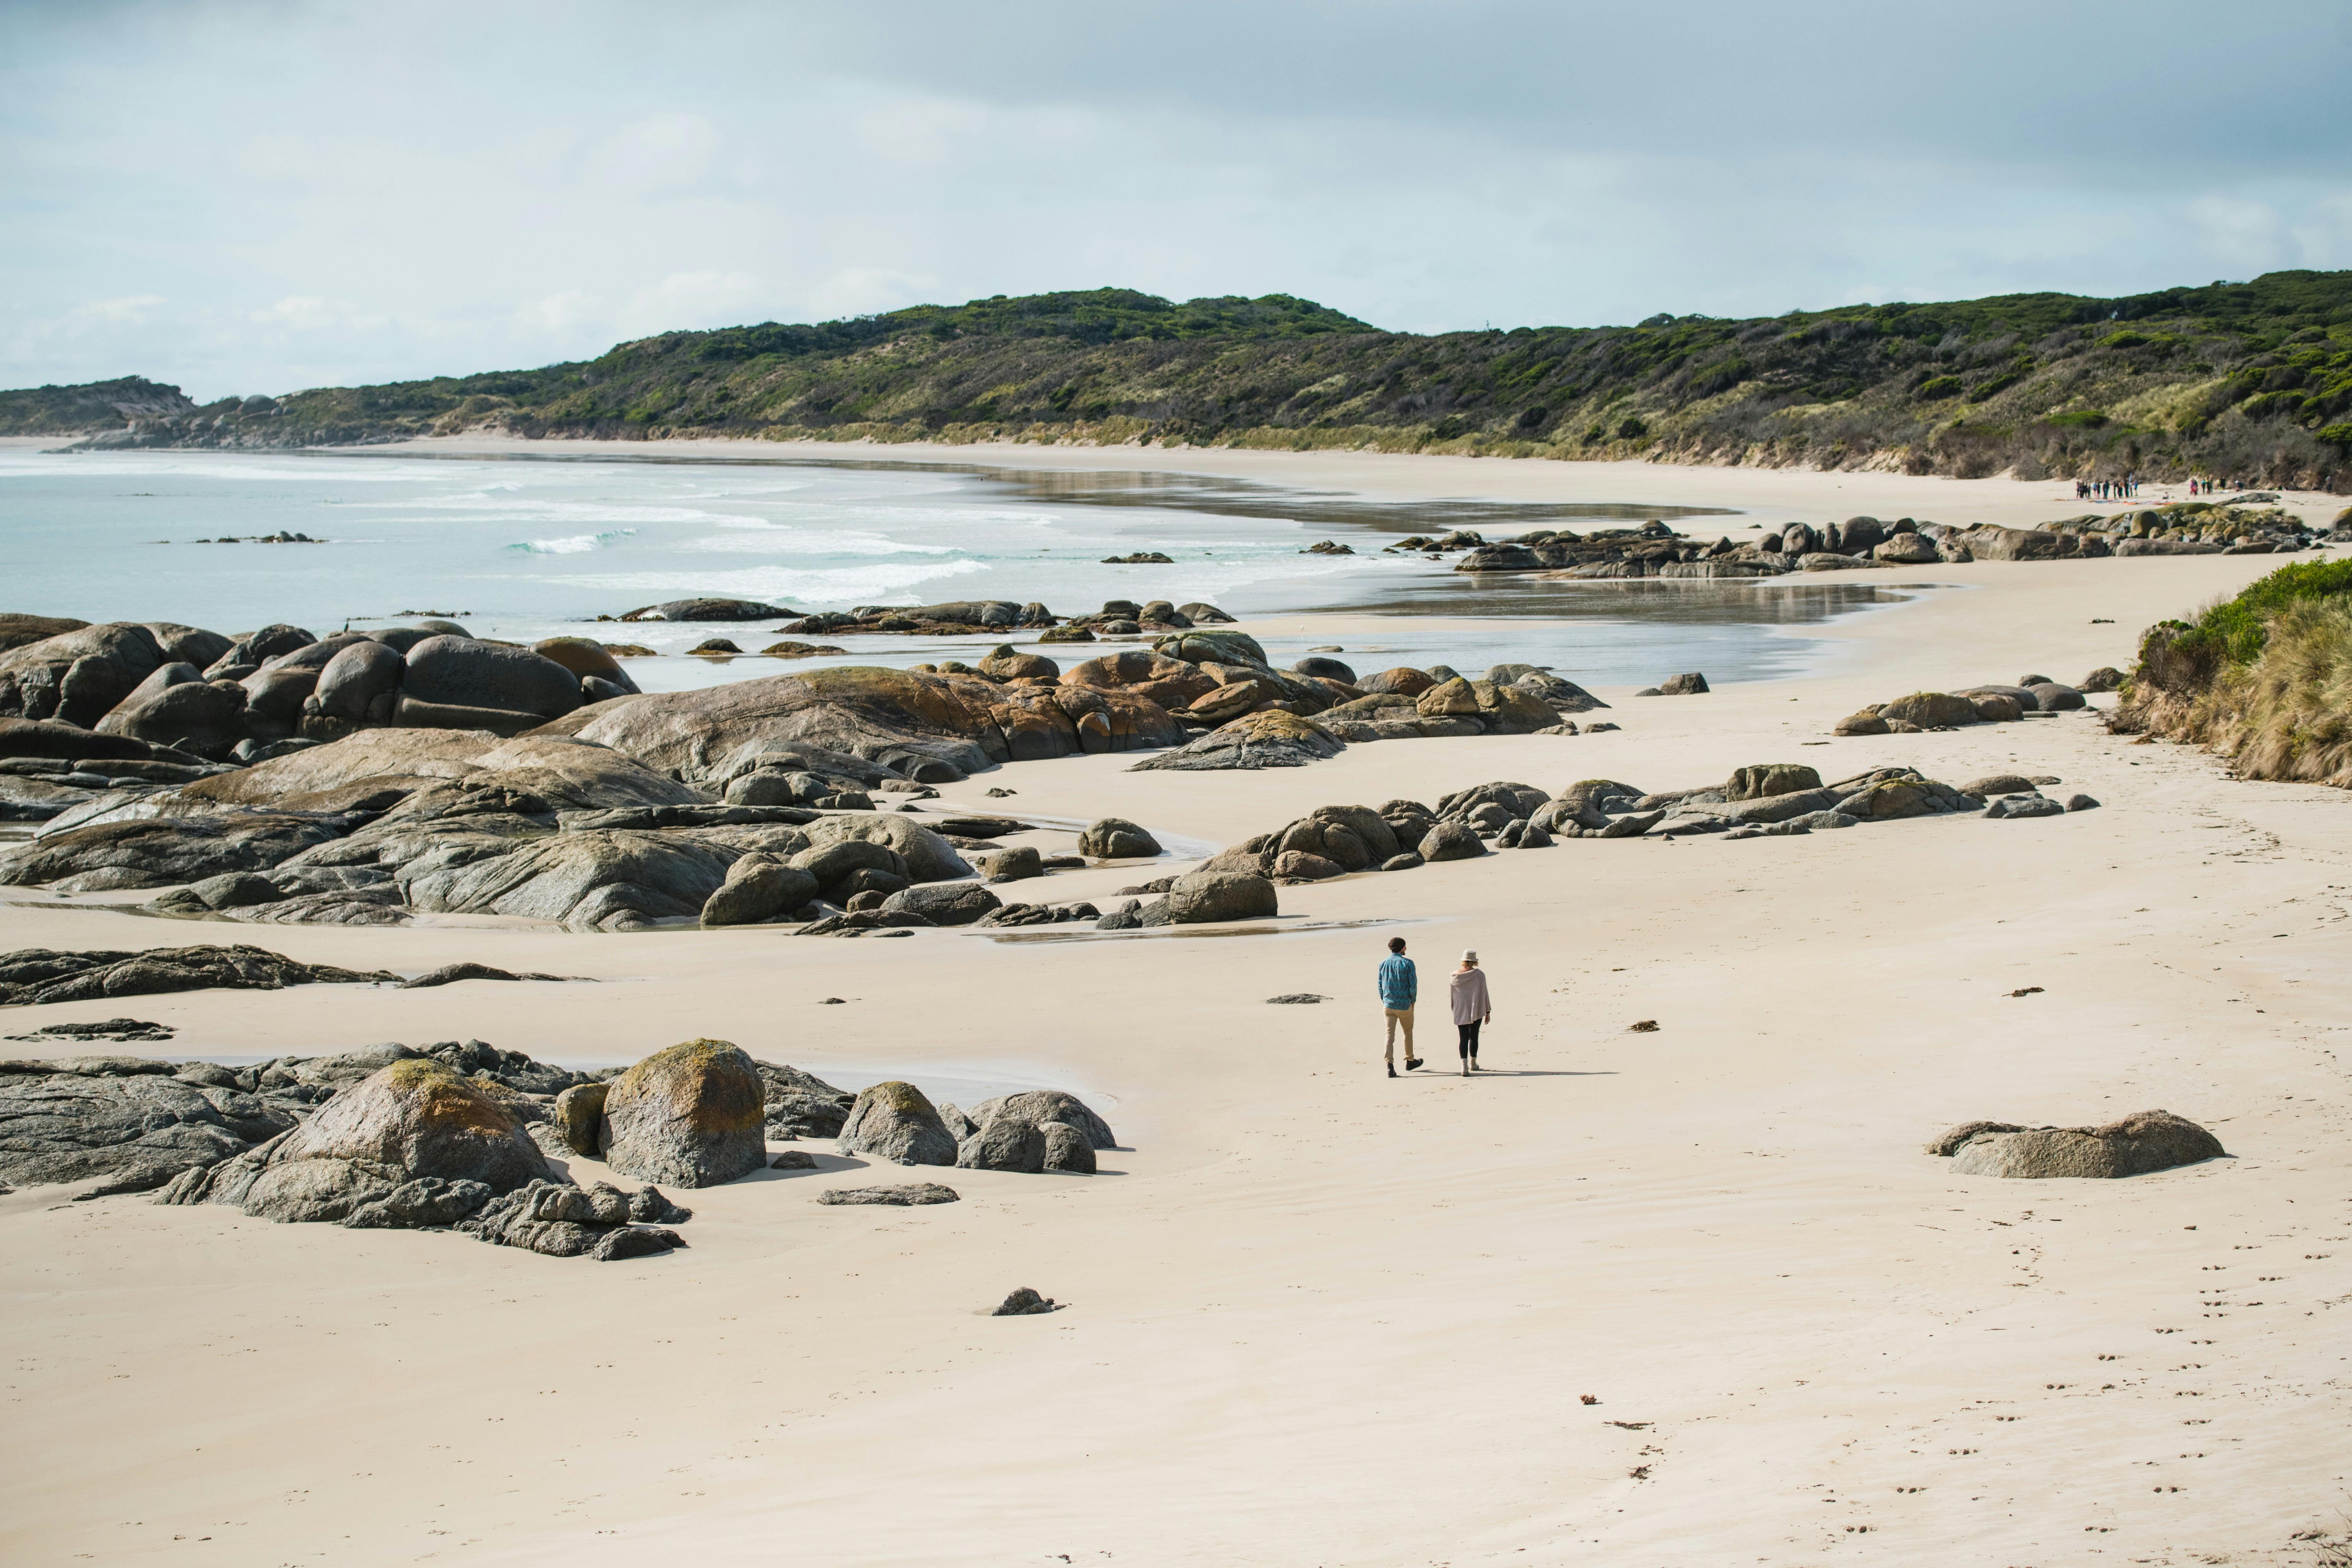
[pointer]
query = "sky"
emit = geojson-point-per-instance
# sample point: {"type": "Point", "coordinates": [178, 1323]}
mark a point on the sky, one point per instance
{"type": "Point", "coordinates": [244, 198]}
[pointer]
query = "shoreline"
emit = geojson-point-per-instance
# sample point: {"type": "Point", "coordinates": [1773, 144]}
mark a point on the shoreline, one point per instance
{"type": "Point", "coordinates": [1308, 1280]}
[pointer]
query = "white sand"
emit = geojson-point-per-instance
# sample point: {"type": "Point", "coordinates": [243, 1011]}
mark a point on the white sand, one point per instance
{"type": "Point", "coordinates": [1320, 1317]}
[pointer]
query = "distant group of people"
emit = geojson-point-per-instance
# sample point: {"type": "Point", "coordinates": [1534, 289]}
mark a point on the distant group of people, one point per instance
{"type": "Point", "coordinates": [2126, 488]}
{"type": "Point", "coordinates": [1399, 989]}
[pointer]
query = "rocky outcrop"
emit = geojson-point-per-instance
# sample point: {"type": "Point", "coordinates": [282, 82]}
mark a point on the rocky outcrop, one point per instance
{"type": "Point", "coordinates": [38, 975]}
{"type": "Point", "coordinates": [896, 1121]}
{"type": "Point", "coordinates": [2145, 1142]}
{"type": "Point", "coordinates": [691, 1115]}
{"type": "Point", "coordinates": [1116, 838]}
{"type": "Point", "coordinates": [1042, 1106]}
{"type": "Point", "coordinates": [1268, 740]}
{"type": "Point", "coordinates": [132, 1122]}
{"type": "Point", "coordinates": [599, 1221]}
{"type": "Point", "coordinates": [913, 1194]}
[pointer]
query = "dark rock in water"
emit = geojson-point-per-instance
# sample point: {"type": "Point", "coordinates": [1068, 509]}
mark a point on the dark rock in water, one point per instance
{"type": "Point", "coordinates": [1023, 1303]}
{"type": "Point", "coordinates": [1068, 1150]}
{"type": "Point", "coordinates": [1004, 1143]}
{"type": "Point", "coordinates": [2142, 1143]}
{"type": "Point", "coordinates": [708, 610]}
{"type": "Point", "coordinates": [460, 673]}
{"type": "Point", "coordinates": [36, 975]}
{"type": "Point", "coordinates": [896, 1121]}
{"type": "Point", "coordinates": [910, 1196]}
{"type": "Point", "coordinates": [691, 1115]}
{"type": "Point", "coordinates": [601, 1222]}
{"type": "Point", "coordinates": [579, 1116]}
{"type": "Point", "coordinates": [1297, 999]}
{"type": "Point", "coordinates": [1116, 838]}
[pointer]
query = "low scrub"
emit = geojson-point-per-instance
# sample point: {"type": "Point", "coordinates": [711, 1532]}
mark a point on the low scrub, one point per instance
{"type": "Point", "coordinates": [2265, 679]}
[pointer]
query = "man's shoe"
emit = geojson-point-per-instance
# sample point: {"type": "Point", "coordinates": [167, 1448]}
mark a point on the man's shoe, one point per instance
{"type": "Point", "coordinates": [1411, 1062]}
{"type": "Point", "coordinates": [1392, 1069]}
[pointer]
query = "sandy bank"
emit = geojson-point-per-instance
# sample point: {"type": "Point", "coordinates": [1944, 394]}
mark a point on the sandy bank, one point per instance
{"type": "Point", "coordinates": [1320, 1316]}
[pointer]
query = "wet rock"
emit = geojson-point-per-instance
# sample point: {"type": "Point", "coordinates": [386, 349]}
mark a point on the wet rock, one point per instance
{"type": "Point", "coordinates": [896, 1121]}
{"type": "Point", "coordinates": [690, 1115]}
{"type": "Point", "coordinates": [912, 1194]}
{"type": "Point", "coordinates": [2140, 1143]}
{"type": "Point", "coordinates": [708, 610]}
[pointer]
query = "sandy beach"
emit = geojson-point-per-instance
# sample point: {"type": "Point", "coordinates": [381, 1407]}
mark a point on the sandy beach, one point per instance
{"type": "Point", "coordinates": [1689, 1296]}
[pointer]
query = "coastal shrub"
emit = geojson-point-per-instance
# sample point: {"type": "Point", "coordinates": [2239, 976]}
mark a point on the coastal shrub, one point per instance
{"type": "Point", "coordinates": [2082, 418]}
{"type": "Point", "coordinates": [1940, 386]}
{"type": "Point", "coordinates": [2336, 435]}
{"type": "Point", "coordinates": [2127, 339]}
{"type": "Point", "coordinates": [1631, 430]}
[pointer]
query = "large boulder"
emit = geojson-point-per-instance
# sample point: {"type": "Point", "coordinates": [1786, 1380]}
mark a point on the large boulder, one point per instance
{"type": "Point", "coordinates": [459, 672]}
{"type": "Point", "coordinates": [412, 1120]}
{"type": "Point", "coordinates": [1450, 841]}
{"type": "Point", "coordinates": [1761, 779]}
{"type": "Point", "coordinates": [2141, 1143]}
{"type": "Point", "coordinates": [1352, 838]}
{"type": "Point", "coordinates": [1004, 1144]}
{"type": "Point", "coordinates": [691, 1115]}
{"type": "Point", "coordinates": [206, 718]}
{"type": "Point", "coordinates": [943, 903]}
{"type": "Point", "coordinates": [1402, 681]}
{"type": "Point", "coordinates": [58, 741]}
{"type": "Point", "coordinates": [927, 856]}
{"type": "Point", "coordinates": [361, 675]}
{"type": "Point", "coordinates": [1931, 710]}
{"type": "Point", "coordinates": [758, 887]}
{"type": "Point", "coordinates": [1199, 897]}
{"type": "Point", "coordinates": [1210, 647]}
{"type": "Point", "coordinates": [1044, 1105]}
{"type": "Point", "coordinates": [585, 657]}
{"type": "Point", "coordinates": [896, 1121]}
{"type": "Point", "coordinates": [126, 1120]}
{"type": "Point", "coordinates": [156, 852]}
{"type": "Point", "coordinates": [78, 676]}
{"type": "Point", "coordinates": [1116, 838]}
{"type": "Point", "coordinates": [1171, 683]}
{"type": "Point", "coordinates": [1905, 550]}
{"type": "Point", "coordinates": [612, 879]}
{"type": "Point", "coordinates": [17, 629]}
{"type": "Point", "coordinates": [579, 1116]}
{"type": "Point", "coordinates": [2052, 698]}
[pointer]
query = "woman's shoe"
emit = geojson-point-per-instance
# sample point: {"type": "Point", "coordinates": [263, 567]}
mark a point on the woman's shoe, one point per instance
{"type": "Point", "coordinates": [1411, 1062]}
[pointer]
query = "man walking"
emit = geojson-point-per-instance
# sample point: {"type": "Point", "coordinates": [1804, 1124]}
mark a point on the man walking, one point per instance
{"type": "Point", "coordinates": [1400, 988]}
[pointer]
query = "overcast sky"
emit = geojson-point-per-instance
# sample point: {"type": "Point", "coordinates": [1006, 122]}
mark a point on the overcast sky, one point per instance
{"type": "Point", "coordinates": [260, 197]}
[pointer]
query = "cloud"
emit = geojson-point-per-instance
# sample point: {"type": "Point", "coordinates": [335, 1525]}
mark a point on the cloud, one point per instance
{"type": "Point", "coordinates": [132, 309]}
{"type": "Point", "coordinates": [659, 155]}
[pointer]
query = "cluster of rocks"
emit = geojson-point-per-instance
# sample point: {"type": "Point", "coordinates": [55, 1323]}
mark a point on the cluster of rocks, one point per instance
{"type": "Point", "coordinates": [1657, 551]}
{"type": "Point", "coordinates": [977, 617]}
{"type": "Point", "coordinates": [1037, 1131]}
{"type": "Point", "coordinates": [2033, 696]}
{"type": "Point", "coordinates": [2142, 1143]}
{"type": "Point", "coordinates": [2184, 527]}
{"type": "Point", "coordinates": [1778, 799]}
{"type": "Point", "coordinates": [163, 693]}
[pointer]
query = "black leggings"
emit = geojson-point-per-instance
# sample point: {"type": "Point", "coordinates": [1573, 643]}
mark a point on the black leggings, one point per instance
{"type": "Point", "coordinates": [1469, 1045]}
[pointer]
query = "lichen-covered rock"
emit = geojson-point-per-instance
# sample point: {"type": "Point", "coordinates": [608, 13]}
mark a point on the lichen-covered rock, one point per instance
{"type": "Point", "coordinates": [913, 1194]}
{"type": "Point", "coordinates": [1861, 724]}
{"type": "Point", "coordinates": [927, 856]}
{"type": "Point", "coordinates": [758, 887]}
{"type": "Point", "coordinates": [690, 1115]}
{"type": "Point", "coordinates": [1044, 1105]}
{"type": "Point", "coordinates": [563, 1221]}
{"type": "Point", "coordinates": [580, 1116]}
{"type": "Point", "coordinates": [943, 903]}
{"type": "Point", "coordinates": [2142, 1143]}
{"type": "Point", "coordinates": [1004, 1144]}
{"type": "Point", "coordinates": [417, 1117]}
{"type": "Point", "coordinates": [896, 1121]}
{"type": "Point", "coordinates": [1761, 779]}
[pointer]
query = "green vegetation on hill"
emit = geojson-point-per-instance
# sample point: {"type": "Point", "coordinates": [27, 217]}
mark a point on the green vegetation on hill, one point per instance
{"type": "Point", "coordinates": [2251, 381]}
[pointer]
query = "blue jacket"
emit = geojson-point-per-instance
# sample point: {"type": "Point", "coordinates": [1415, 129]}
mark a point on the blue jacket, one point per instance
{"type": "Point", "coordinates": [1400, 985]}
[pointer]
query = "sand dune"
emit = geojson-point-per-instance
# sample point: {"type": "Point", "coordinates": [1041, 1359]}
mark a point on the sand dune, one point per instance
{"type": "Point", "coordinates": [1316, 1316]}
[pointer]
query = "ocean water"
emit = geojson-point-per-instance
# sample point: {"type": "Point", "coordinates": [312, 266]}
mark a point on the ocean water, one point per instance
{"type": "Point", "coordinates": [535, 546]}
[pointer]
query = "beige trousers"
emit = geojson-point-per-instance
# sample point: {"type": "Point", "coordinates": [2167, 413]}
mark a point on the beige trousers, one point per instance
{"type": "Point", "coordinates": [1397, 1015]}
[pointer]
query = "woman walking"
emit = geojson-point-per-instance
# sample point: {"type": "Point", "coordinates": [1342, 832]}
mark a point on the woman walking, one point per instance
{"type": "Point", "coordinates": [1472, 1007]}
